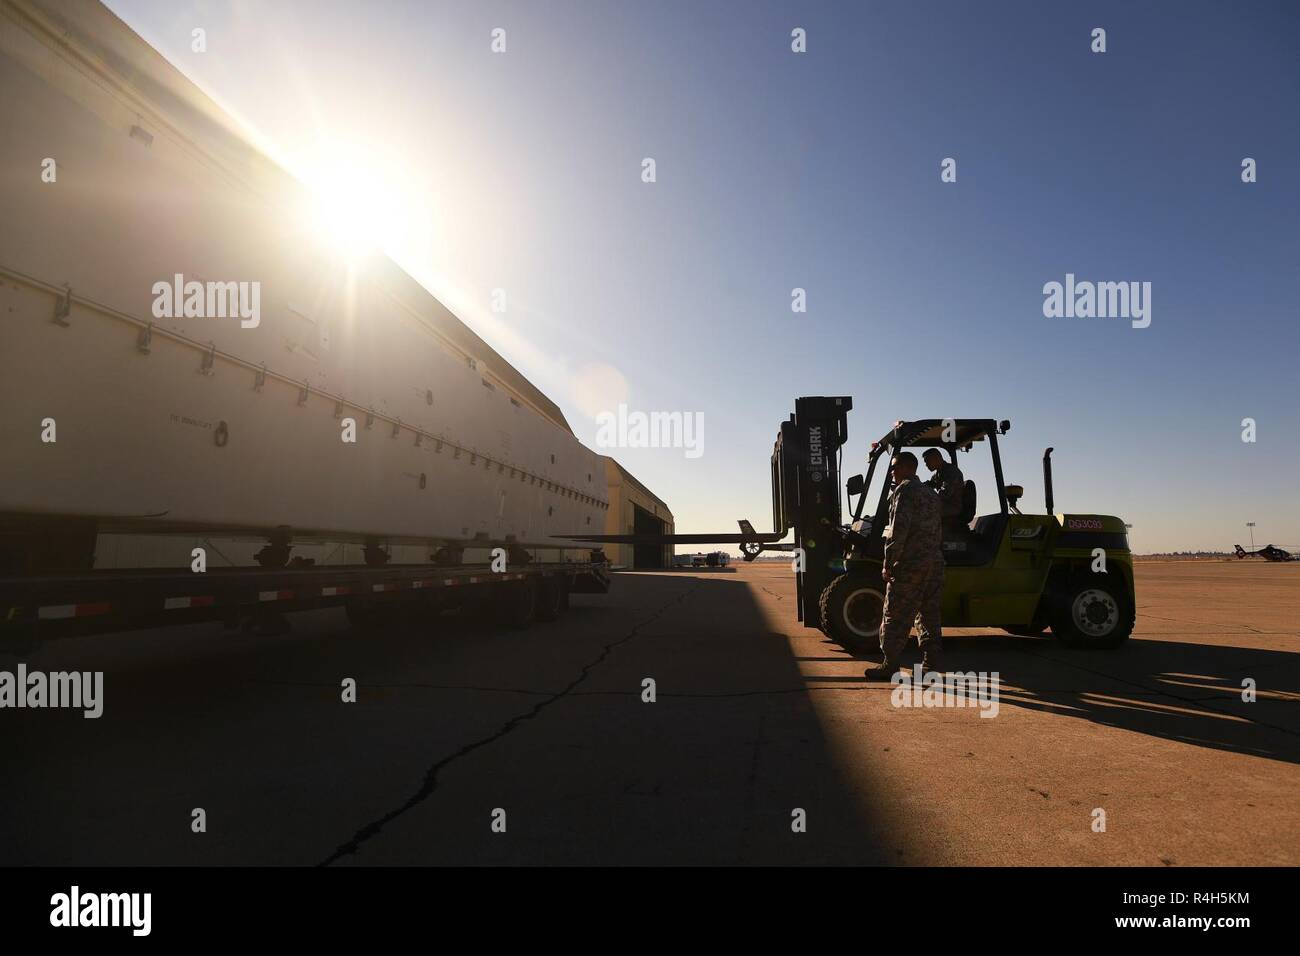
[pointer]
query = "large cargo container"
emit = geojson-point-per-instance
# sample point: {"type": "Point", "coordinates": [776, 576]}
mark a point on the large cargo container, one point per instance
{"type": "Point", "coordinates": [122, 182]}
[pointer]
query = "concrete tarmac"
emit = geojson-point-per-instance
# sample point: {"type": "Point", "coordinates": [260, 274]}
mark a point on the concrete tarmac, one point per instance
{"type": "Point", "coordinates": [757, 722]}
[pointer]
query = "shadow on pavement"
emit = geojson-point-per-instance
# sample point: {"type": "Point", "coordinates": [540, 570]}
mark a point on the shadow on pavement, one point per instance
{"type": "Point", "coordinates": [1181, 691]}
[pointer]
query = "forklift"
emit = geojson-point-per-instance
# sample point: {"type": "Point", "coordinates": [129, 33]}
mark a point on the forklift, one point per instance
{"type": "Point", "coordinates": [1023, 573]}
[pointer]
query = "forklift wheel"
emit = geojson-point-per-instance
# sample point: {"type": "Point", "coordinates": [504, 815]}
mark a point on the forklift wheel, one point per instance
{"type": "Point", "coordinates": [851, 608]}
{"type": "Point", "coordinates": [1094, 614]}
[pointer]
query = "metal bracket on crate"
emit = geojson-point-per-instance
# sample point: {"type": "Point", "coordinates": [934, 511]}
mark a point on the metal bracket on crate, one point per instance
{"type": "Point", "coordinates": [63, 308]}
{"type": "Point", "coordinates": [209, 359]}
{"type": "Point", "coordinates": [143, 340]}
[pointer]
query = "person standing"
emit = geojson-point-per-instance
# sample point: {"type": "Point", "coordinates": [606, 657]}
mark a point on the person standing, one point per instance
{"type": "Point", "coordinates": [912, 570]}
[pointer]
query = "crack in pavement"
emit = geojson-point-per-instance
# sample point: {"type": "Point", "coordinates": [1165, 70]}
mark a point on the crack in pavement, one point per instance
{"type": "Point", "coordinates": [430, 783]}
{"type": "Point", "coordinates": [1249, 628]}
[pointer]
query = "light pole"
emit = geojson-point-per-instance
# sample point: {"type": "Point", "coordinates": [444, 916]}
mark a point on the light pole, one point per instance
{"type": "Point", "coordinates": [1251, 526]}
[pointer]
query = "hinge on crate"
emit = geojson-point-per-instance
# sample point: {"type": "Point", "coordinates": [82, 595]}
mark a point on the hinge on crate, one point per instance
{"type": "Point", "coordinates": [144, 338]}
{"type": "Point", "coordinates": [397, 427]}
{"type": "Point", "coordinates": [209, 359]}
{"type": "Point", "coordinates": [260, 380]}
{"type": "Point", "coordinates": [338, 409]}
{"type": "Point", "coordinates": [370, 418]}
{"type": "Point", "coordinates": [303, 391]}
{"type": "Point", "coordinates": [63, 308]}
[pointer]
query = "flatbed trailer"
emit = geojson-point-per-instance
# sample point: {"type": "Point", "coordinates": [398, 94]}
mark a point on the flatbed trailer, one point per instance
{"type": "Point", "coordinates": [42, 607]}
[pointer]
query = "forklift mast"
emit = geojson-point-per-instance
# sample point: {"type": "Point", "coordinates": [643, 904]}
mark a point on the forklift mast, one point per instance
{"type": "Point", "coordinates": [806, 493]}
{"type": "Point", "coordinates": [806, 497]}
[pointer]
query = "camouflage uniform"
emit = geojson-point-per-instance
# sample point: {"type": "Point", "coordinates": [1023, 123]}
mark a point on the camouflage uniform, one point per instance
{"type": "Point", "coordinates": [949, 484]}
{"type": "Point", "coordinates": [914, 559]}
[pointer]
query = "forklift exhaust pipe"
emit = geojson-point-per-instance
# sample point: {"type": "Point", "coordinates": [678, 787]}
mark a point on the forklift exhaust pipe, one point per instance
{"type": "Point", "coordinates": [1047, 481]}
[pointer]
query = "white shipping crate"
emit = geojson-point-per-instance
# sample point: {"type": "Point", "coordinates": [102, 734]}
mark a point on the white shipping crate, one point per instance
{"type": "Point", "coordinates": [204, 423]}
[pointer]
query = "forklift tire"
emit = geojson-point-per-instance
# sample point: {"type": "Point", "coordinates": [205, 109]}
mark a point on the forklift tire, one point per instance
{"type": "Point", "coordinates": [1092, 614]}
{"type": "Point", "coordinates": [552, 597]}
{"type": "Point", "coordinates": [851, 608]}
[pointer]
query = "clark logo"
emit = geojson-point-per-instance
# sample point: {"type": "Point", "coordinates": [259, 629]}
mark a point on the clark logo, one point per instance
{"type": "Point", "coordinates": [208, 300]}
{"type": "Point", "coordinates": [815, 447]}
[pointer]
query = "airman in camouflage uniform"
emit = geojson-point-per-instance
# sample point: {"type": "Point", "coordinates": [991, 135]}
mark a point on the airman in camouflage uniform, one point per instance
{"type": "Point", "coordinates": [913, 570]}
{"type": "Point", "coordinates": [949, 484]}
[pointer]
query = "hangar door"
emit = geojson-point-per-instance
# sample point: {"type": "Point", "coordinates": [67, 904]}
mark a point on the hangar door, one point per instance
{"type": "Point", "coordinates": [646, 555]}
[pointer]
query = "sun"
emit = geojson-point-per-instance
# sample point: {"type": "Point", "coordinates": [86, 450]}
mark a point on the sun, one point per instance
{"type": "Point", "coordinates": [352, 206]}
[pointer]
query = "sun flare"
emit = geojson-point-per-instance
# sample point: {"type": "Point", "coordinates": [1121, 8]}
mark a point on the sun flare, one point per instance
{"type": "Point", "coordinates": [352, 208]}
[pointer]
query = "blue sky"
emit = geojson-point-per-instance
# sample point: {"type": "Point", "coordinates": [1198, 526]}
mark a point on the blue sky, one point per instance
{"type": "Point", "coordinates": [820, 170]}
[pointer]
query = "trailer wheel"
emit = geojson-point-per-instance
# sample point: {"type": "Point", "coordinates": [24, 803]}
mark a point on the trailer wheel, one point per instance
{"type": "Point", "coordinates": [518, 603]}
{"type": "Point", "coordinates": [851, 608]}
{"type": "Point", "coordinates": [364, 616]}
{"type": "Point", "coordinates": [19, 638]}
{"type": "Point", "coordinates": [552, 597]}
{"type": "Point", "coordinates": [1092, 613]}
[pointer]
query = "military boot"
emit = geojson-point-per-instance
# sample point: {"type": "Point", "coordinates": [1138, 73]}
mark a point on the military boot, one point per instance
{"type": "Point", "coordinates": [885, 671]}
{"type": "Point", "coordinates": [932, 660]}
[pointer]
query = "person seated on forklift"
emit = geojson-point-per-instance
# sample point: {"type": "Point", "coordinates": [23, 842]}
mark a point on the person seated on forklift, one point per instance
{"type": "Point", "coordinates": [912, 570]}
{"type": "Point", "coordinates": [948, 483]}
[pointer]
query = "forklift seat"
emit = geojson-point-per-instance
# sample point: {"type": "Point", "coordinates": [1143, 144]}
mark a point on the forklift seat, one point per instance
{"type": "Point", "coordinates": [968, 503]}
{"type": "Point", "coordinates": [972, 548]}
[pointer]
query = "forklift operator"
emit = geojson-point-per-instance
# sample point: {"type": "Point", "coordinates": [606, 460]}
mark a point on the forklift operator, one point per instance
{"type": "Point", "coordinates": [948, 483]}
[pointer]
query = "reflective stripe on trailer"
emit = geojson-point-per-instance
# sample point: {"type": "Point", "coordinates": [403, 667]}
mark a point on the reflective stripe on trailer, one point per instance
{"type": "Point", "coordinates": [274, 595]}
{"type": "Point", "coordinates": [72, 610]}
{"type": "Point", "coordinates": [331, 592]}
{"type": "Point", "coordinates": [174, 603]}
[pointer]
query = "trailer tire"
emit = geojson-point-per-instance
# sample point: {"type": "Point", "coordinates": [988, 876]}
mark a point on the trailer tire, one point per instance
{"type": "Point", "coordinates": [19, 639]}
{"type": "Point", "coordinates": [851, 608]}
{"type": "Point", "coordinates": [365, 616]}
{"type": "Point", "coordinates": [518, 603]}
{"type": "Point", "coordinates": [552, 598]}
{"type": "Point", "coordinates": [1092, 614]}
